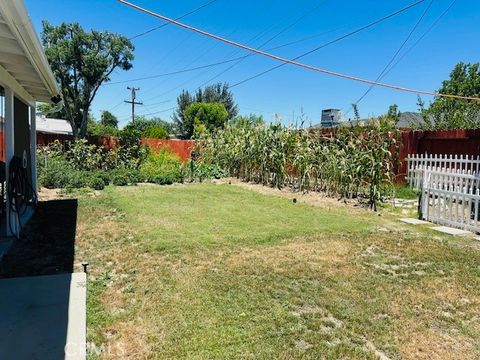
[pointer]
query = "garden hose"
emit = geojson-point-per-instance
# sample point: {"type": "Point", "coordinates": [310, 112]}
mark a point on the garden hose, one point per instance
{"type": "Point", "coordinates": [20, 191]}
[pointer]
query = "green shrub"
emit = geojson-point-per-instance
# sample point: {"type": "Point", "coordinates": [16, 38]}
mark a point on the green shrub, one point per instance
{"type": "Point", "coordinates": [202, 171]}
{"type": "Point", "coordinates": [54, 172]}
{"type": "Point", "coordinates": [162, 168]}
{"type": "Point", "coordinates": [104, 176]}
{"type": "Point", "coordinates": [123, 177]}
{"type": "Point", "coordinates": [58, 173]}
{"type": "Point", "coordinates": [95, 181]}
{"type": "Point", "coordinates": [156, 132]}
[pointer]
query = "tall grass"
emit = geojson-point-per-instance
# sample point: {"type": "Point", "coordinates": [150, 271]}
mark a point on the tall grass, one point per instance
{"type": "Point", "coordinates": [351, 162]}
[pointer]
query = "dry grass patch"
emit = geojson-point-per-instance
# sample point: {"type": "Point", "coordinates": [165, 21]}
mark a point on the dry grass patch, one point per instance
{"type": "Point", "coordinates": [126, 340]}
{"type": "Point", "coordinates": [432, 344]}
{"type": "Point", "coordinates": [298, 256]}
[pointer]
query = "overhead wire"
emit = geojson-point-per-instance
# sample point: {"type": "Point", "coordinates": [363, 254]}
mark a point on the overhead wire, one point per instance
{"type": "Point", "coordinates": [200, 67]}
{"type": "Point", "coordinates": [252, 39]}
{"type": "Point", "coordinates": [280, 46]}
{"type": "Point", "coordinates": [162, 26]}
{"type": "Point", "coordinates": [397, 52]}
{"type": "Point", "coordinates": [340, 38]}
{"type": "Point", "coordinates": [178, 18]}
{"type": "Point", "coordinates": [283, 30]}
{"type": "Point", "coordinates": [430, 28]}
{"type": "Point", "coordinates": [257, 36]}
{"type": "Point", "coordinates": [293, 62]}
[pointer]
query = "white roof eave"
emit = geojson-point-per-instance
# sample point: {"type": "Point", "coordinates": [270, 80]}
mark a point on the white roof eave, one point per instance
{"type": "Point", "coordinates": [16, 17]}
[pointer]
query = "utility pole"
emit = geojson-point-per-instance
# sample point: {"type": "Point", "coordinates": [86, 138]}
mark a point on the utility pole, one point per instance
{"type": "Point", "coordinates": [133, 91]}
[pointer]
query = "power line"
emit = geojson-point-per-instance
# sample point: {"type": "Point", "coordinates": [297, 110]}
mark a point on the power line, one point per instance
{"type": "Point", "coordinates": [215, 63]}
{"type": "Point", "coordinates": [152, 113]}
{"type": "Point", "coordinates": [382, 73]}
{"type": "Point", "coordinates": [158, 103]}
{"type": "Point", "coordinates": [259, 35]}
{"type": "Point", "coordinates": [178, 18]}
{"type": "Point", "coordinates": [293, 62]}
{"type": "Point", "coordinates": [340, 38]}
{"type": "Point", "coordinates": [437, 20]}
{"type": "Point", "coordinates": [239, 58]}
{"type": "Point", "coordinates": [289, 26]}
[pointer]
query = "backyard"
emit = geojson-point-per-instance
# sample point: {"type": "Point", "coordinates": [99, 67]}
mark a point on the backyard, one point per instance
{"type": "Point", "coordinates": [225, 271]}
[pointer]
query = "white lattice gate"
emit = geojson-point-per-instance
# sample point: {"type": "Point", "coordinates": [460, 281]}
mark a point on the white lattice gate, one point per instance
{"type": "Point", "coordinates": [465, 163]}
{"type": "Point", "coordinates": [451, 197]}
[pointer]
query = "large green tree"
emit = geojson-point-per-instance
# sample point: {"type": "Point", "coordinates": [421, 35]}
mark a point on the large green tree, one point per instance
{"type": "Point", "coordinates": [108, 119]}
{"type": "Point", "coordinates": [82, 61]}
{"type": "Point", "coordinates": [202, 116]}
{"type": "Point", "coordinates": [52, 111]}
{"type": "Point", "coordinates": [107, 126]}
{"type": "Point", "coordinates": [143, 124]}
{"type": "Point", "coordinates": [218, 93]}
{"type": "Point", "coordinates": [445, 113]}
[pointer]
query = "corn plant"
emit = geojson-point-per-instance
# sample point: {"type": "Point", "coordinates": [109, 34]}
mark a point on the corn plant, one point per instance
{"type": "Point", "coordinates": [351, 162]}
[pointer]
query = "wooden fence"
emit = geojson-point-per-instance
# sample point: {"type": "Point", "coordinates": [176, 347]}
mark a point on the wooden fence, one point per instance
{"type": "Point", "coordinates": [451, 197]}
{"type": "Point", "coordinates": [182, 148]}
{"type": "Point", "coordinates": [449, 142]}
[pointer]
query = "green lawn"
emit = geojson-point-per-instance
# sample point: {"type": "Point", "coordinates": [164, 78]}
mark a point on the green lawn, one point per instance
{"type": "Point", "coordinates": [217, 271]}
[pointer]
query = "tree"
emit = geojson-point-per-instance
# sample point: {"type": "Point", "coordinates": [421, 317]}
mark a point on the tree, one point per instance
{"type": "Point", "coordinates": [108, 119]}
{"type": "Point", "coordinates": [169, 126]}
{"type": "Point", "coordinates": [204, 116]}
{"type": "Point", "coordinates": [184, 100]}
{"type": "Point", "coordinates": [96, 128]}
{"type": "Point", "coordinates": [156, 132]}
{"type": "Point", "coordinates": [446, 113]}
{"type": "Point", "coordinates": [81, 62]}
{"type": "Point", "coordinates": [218, 93]}
{"type": "Point", "coordinates": [52, 111]}
{"type": "Point", "coordinates": [143, 125]}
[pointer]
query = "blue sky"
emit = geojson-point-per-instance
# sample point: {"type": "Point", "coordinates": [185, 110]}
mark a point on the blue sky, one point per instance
{"type": "Point", "coordinates": [289, 89]}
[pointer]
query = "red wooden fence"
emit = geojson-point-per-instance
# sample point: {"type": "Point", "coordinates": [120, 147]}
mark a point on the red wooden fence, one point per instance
{"type": "Point", "coordinates": [183, 148]}
{"type": "Point", "coordinates": [45, 139]}
{"type": "Point", "coordinates": [449, 142]}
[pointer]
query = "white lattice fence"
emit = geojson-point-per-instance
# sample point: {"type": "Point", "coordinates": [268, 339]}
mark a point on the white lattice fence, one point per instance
{"type": "Point", "coordinates": [451, 197]}
{"type": "Point", "coordinates": [419, 162]}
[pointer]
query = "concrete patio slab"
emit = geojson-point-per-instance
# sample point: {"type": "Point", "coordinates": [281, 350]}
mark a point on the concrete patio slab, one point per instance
{"type": "Point", "coordinates": [43, 317]}
{"type": "Point", "coordinates": [451, 231]}
{"type": "Point", "coordinates": [413, 221]}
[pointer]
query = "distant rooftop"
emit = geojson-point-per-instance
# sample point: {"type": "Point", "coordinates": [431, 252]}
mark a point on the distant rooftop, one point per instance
{"type": "Point", "coordinates": [53, 126]}
{"type": "Point", "coordinates": [407, 120]}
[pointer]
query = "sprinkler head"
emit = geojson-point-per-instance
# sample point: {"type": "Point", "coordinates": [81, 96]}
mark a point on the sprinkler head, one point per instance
{"type": "Point", "coordinates": [85, 266]}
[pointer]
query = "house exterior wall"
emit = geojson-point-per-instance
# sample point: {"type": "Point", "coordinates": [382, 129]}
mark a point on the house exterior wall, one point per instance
{"type": "Point", "coordinates": [22, 133]}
